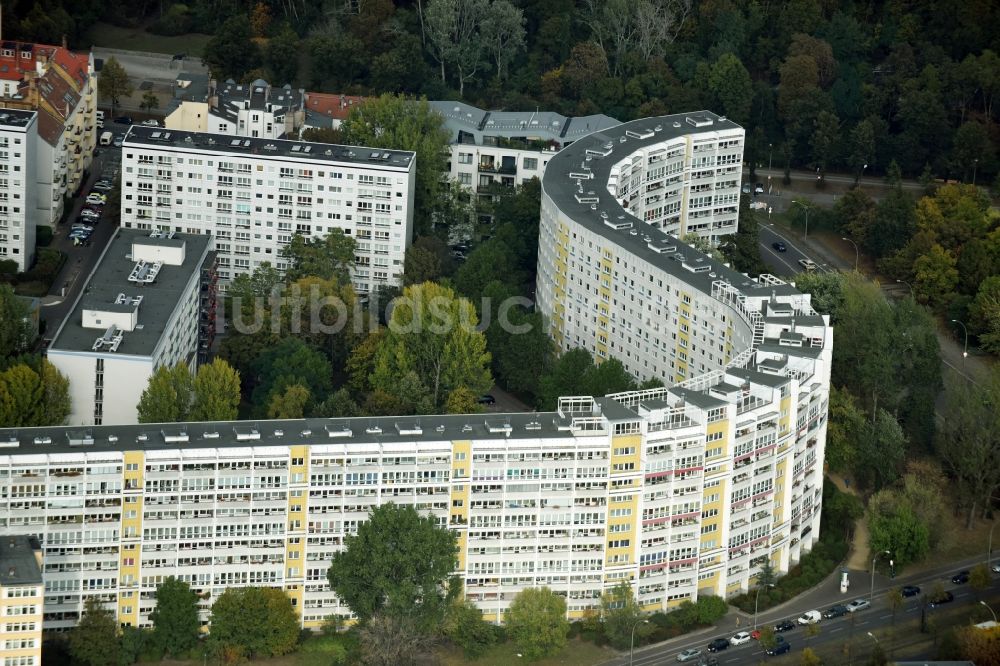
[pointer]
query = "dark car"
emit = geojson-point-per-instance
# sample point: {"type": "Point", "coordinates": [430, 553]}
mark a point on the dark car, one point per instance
{"type": "Point", "coordinates": [784, 625]}
{"type": "Point", "coordinates": [123, 120]}
{"type": "Point", "coordinates": [718, 645]}
{"type": "Point", "coordinates": [945, 598]}
{"type": "Point", "coordinates": [960, 578]}
{"type": "Point", "coordinates": [781, 646]}
{"type": "Point", "coordinates": [910, 590]}
{"type": "Point", "coordinates": [835, 611]}
{"type": "Point", "coordinates": [779, 246]}
{"type": "Point", "coordinates": [487, 400]}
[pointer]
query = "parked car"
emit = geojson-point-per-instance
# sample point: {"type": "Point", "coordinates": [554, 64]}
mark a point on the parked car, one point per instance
{"type": "Point", "coordinates": [102, 186]}
{"type": "Point", "coordinates": [779, 648]}
{"type": "Point", "coordinates": [82, 227]}
{"type": "Point", "coordinates": [96, 199]}
{"type": "Point", "coordinates": [835, 611]}
{"type": "Point", "coordinates": [960, 578]}
{"type": "Point", "coordinates": [89, 214]}
{"type": "Point", "coordinates": [150, 123]}
{"type": "Point", "coordinates": [758, 189]}
{"type": "Point", "coordinates": [487, 400]}
{"type": "Point", "coordinates": [740, 638]}
{"type": "Point", "coordinates": [858, 604]}
{"type": "Point", "coordinates": [78, 240]}
{"type": "Point", "coordinates": [689, 654]}
{"type": "Point", "coordinates": [100, 124]}
{"type": "Point", "coordinates": [779, 246]}
{"type": "Point", "coordinates": [746, 188]}
{"type": "Point", "coordinates": [124, 120]}
{"type": "Point", "coordinates": [784, 625]}
{"type": "Point", "coordinates": [996, 568]}
{"type": "Point", "coordinates": [945, 598]}
{"type": "Point", "coordinates": [810, 617]}
{"type": "Point", "coordinates": [755, 634]}
{"type": "Point", "coordinates": [718, 645]}
{"type": "Point", "coordinates": [910, 590]}
{"type": "Point", "coordinates": [118, 142]}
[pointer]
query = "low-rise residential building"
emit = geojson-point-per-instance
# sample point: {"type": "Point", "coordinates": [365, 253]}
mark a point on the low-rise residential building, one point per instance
{"type": "Point", "coordinates": [22, 593]}
{"type": "Point", "coordinates": [140, 309]}
{"type": "Point", "coordinates": [328, 110]}
{"type": "Point", "coordinates": [255, 110]}
{"type": "Point", "coordinates": [18, 186]}
{"type": "Point", "coordinates": [62, 87]}
{"type": "Point", "coordinates": [495, 150]}
{"type": "Point", "coordinates": [253, 195]}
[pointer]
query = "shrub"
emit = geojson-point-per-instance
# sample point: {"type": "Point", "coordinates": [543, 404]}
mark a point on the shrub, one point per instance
{"type": "Point", "coordinates": [43, 235]}
{"type": "Point", "coordinates": [8, 267]}
{"type": "Point", "coordinates": [176, 21]}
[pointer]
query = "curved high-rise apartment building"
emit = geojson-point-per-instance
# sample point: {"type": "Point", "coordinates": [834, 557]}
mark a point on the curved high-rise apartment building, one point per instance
{"type": "Point", "coordinates": [742, 481]}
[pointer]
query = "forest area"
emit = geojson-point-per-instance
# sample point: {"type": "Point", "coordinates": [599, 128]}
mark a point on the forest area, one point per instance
{"type": "Point", "coordinates": [823, 85]}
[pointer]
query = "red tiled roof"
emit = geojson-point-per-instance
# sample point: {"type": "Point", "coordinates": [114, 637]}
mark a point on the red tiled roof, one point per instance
{"type": "Point", "coordinates": [50, 128]}
{"type": "Point", "coordinates": [332, 105]}
{"type": "Point", "coordinates": [13, 68]}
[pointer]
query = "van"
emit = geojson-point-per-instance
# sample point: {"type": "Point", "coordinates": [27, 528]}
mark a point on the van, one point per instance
{"type": "Point", "coordinates": [106, 138]}
{"type": "Point", "coordinates": [100, 115]}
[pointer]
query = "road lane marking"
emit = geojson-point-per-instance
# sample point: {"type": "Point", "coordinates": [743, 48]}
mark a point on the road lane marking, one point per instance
{"type": "Point", "coordinates": [912, 610]}
{"type": "Point", "coordinates": [882, 617]}
{"type": "Point", "coordinates": [837, 629]}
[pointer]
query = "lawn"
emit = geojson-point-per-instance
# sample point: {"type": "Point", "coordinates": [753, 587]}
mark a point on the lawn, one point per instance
{"type": "Point", "coordinates": [577, 653]}
{"type": "Point", "coordinates": [137, 39]}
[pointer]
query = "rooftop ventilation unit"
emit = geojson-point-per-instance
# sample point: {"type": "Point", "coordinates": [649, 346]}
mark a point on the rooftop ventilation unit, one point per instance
{"type": "Point", "coordinates": [42, 439]}
{"type": "Point", "coordinates": [145, 273]}
{"type": "Point", "coordinates": [110, 341]}
{"type": "Point", "coordinates": [9, 442]}
{"type": "Point", "coordinates": [174, 436]}
{"type": "Point", "coordinates": [699, 121]}
{"type": "Point", "coordinates": [638, 134]}
{"type": "Point", "coordinates": [246, 433]}
{"type": "Point", "coordinates": [155, 135]}
{"type": "Point", "coordinates": [409, 429]}
{"type": "Point", "coordinates": [80, 438]}
{"type": "Point", "coordinates": [122, 299]}
{"type": "Point", "coordinates": [333, 430]}
{"type": "Point", "coordinates": [270, 146]}
{"type": "Point", "coordinates": [661, 247]}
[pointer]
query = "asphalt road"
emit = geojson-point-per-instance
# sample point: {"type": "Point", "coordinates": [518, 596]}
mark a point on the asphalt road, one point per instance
{"type": "Point", "coordinates": [873, 619]}
{"type": "Point", "coordinates": [80, 260]}
{"type": "Point", "coordinates": [157, 67]}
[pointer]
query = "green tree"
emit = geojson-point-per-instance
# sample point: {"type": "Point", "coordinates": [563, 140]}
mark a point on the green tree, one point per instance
{"type": "Point", "coordinates": [397, 564]}
{"type": "Point", "coordinates": [767, 576]}
{"type": "Point", "coordinates": [248, 292]}
{"type": "Point", "coordinates": [402, 124]}
{"type": "Point", "coordinates": [536, 621]}
{"type": "Point", "coordinates": [980, 578]}
{"type": "Point", "coordinates": [176, 625]}
{"type": "Point", "coordinates": [393, 640]}
{"type": "Point", "coordinates": [461, 401]}
{"type": "Point", "coordinates": [257, 621]}
{"type": "Point", "coordinates": [862, 147]}
{"type": "Point", "coordinates": [340, 404]}
{"type": "Point", "coordinates": [231, 52]}
{"type": "Point", "coordinates": [935, 277]}
{"type": "Point", "coordinates": [216, 392]}
{"type": "Point", "coordinates": [421, 264]}
{"type": "Point", "coordinates": [768, 638]}
{"type": "Point", "coordinates": [168, 395]}
{"type": "Point", "coordinates": [133, 642]}
{"type": "Point", "coordinates": [433, 333]}
{"type": "Point", "coordinates": [328, 258]}
{"type": "Point", "coordinates": [282, 56]}
{"type": "Point", "coordinates": [730, 87]}
{"type": "Point", "coordinates": [30, 397]}
{"type": "Point", "coordinates": [984, 314]}
{"type": "Point", "coordinates": [291, 361]}
{"type": "Point", "coordinates": [574, 373]}
{"type": "Point", "coordinates": [94, 640]}
{"type": "Point", "coordinates": [894, 526]}
{"type": "Point", "coordinates": [502, 32]}
{"type": "Point", "coordinates": [323, 135]}
{"type": "Point", "coordinates": [149, 101]}
{"type": "Point", "coordinates": [289, 404]}
{"type": "Point", "coordinates": [113, 83]}
{"type": "Point", "coordinates": [809, 657]}
{"type": "Point", "coordinates": [621, 612]}
{"type": "Point", "coordinates": [464, 626]}
{"type": "Point", "coordinates": [455, 37]}
{"type": "Point", "coordinates": [973, 148]}
{"type": "Point", "coordinates": [880, 452]}
{"type": "Point", "coordinates": [825, 140]}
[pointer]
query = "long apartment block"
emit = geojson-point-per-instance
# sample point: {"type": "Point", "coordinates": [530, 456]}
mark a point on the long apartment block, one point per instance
{"type": "Point", "coordinates": [18, 155]}
{"type": "Point", "coordinates": [252, 195]}
{"type": "Point", "coordinates": [680, 492]}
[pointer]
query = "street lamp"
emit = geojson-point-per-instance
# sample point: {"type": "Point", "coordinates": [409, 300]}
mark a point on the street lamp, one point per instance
{"type": "Point", "coordinates": [806, 235]}
{"type": "Point", "coordinates": [965, 351]}
{"type": "Point", "coordinates": [856, 253]}
{"type": "Point", "coordinates": [990, 609]}
{"type": "Point", "coordinates": [975, 165]}
{"type": "Point", "coordinates": [756, 598]}
{"type": "Point", "coordinates": [871, 593]}
{"type": "Point", "coordinates": [770, 154]}
{"type": "Point", "coordinates": [989, 546]}
{"type": "Point", "coordinates": [908, 285]}
{"type": "Point", "coordinates": [631, 642]}
{"type": "Point", "coordinates": [872, 636]}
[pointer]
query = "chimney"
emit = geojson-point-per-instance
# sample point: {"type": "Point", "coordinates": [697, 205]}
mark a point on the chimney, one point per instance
{"type": "Point", "coordinates": [65, 44]}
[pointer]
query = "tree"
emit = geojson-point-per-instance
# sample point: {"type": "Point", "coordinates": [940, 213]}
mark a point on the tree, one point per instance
{"type": "Point", "coordinates": [257, 621]}
{"type": "Point", "coordinates": [809, 657]}
{"type": "Point", "coordinates": [176, 626]}
{"type": "Point", "coordinates": [935, 277]}
{"type": "Point", "coordinates": [149, 101]}
{"type": "Point", "coordinates": [881, 451]}
{"type": "Point", "coordinates": [168, 395]}
{"type": "Point", "coordinates": [980, 578]}
{"type": "Point", "coordinates": [398, 123]}
{"type": "Point", "coordinates": [536, 621]}
{"type": "Point", "coordinates": [973, 149]}
{"type": "Point", "coordinates": [390, 640]}
{"type": "Point", "coordinates": [464, 626]}
{"type": "Point", "coordinates": [433, 333]}
{"type": "Point", "coordinates": [979, 646]}
{"type": "Point", "coordinates": [54, 407]}
{"type": "Point", "coordinates": [282, 55]}
{"type": "Point", "coordinates": [825, 139]}
{"type": "Point", "coordinates": [503, 33]}
{"type": "Point", "coordinates": [862, 147]}
{"type": "Point", "coordinates": [290, 362]}
{"type": "Point", "coordinates": [328, 258]}
{"type": "Point", "coordinates": [620, 612]}
{"type": "Point", "coordinates": [290, 404]}
{"type": "Point", "coordinates": [260, 19]}
{"type": "Point", "coordinates": [94, 640]}
{"type": "Point", "coordinates": [461, 401]}
{"type": "Point", "coordinates": [231, 52]}
{"type": "Point", "coordinates": [768, 638]}
{"type": "Point", "coordinates": [216, 392]}
{"type": "Point", "coordinates": [984, 314]}
{"type": "Point", "coordinates": [453, 33]}
{"type": "Point", "coordinates": [766, 576]}
{"type": "Point", "coordinates": [113, 82]}
{"type": "Point", "coordinates": [420, 265]}
{"type": "Point", "coordinates": [730, 86]}
{"type": "Point", "coordinates": [323, 135]}
{"type": "Point", "coordinates": [15, 329]}
{"type": "Point", "coordinates": [894, 526]}
{"type": "Point", "coordinates": [574, 373]}
{"type": "Point", "coordinates": [396, 565]}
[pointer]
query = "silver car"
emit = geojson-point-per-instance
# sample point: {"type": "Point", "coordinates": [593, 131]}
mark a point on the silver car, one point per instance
{"type": "Point", "coordinates": [689, 654]}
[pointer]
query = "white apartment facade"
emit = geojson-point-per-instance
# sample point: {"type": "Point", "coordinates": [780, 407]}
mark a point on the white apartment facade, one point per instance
{"type": "Point", "coordinates": [138, 311]}
{"type": "Point", "coordinates": [679, 492]}
{"type": "Point", "coordinates": [253, 110]}
{"type": "Point", "coordinates": [18, 152]}
{"type": "Point", "coordinates": [253, 195]}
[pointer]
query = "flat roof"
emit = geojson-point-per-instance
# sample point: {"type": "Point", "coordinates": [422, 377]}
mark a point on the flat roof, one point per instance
{"type": "Point", "coordinates": [262, 433]}
{"type": "Point", "coordinates": [618, 145]}
{"type": "Point", "coordinates": [111, 278]}
{"type": "Point", "coordinates": [227, 144]}
{"type": "Point", "coordinates": [16, 117]}
{"type": "Point", "coordinates": [544, 125]}
{"type": "Point", "coordinates": [18, 565]}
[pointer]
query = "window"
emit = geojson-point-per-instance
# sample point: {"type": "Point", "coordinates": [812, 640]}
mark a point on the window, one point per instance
{"type": "Point", "coordinates": [530, 163]}
{"type": "Point", "coordinates": [465, 158]}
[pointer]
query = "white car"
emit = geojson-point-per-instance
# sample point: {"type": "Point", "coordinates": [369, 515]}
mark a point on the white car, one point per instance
{"type": "Point", "coordinates": [96, 199]}
{"type": "Point", "coordinates": [150, 123]}
{"type": "Point", "coordinates": [858, 604]}
{"type": "Point", "coordinates": [740, 638]}
{"type": "Point", "coordinates": [996, 568]}
{"type": "Point", "coordinates": [689, 654]}
{"type": "Point", "coordinates": [810, 617]}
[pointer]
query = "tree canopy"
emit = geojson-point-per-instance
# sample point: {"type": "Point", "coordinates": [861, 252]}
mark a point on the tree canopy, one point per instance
{"type": "Point", "coordinates": [255, 622]}
{"type": "Point", "coordinates": [176, 625]}
{"type": "Point", "coordinates": [536, 621]}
